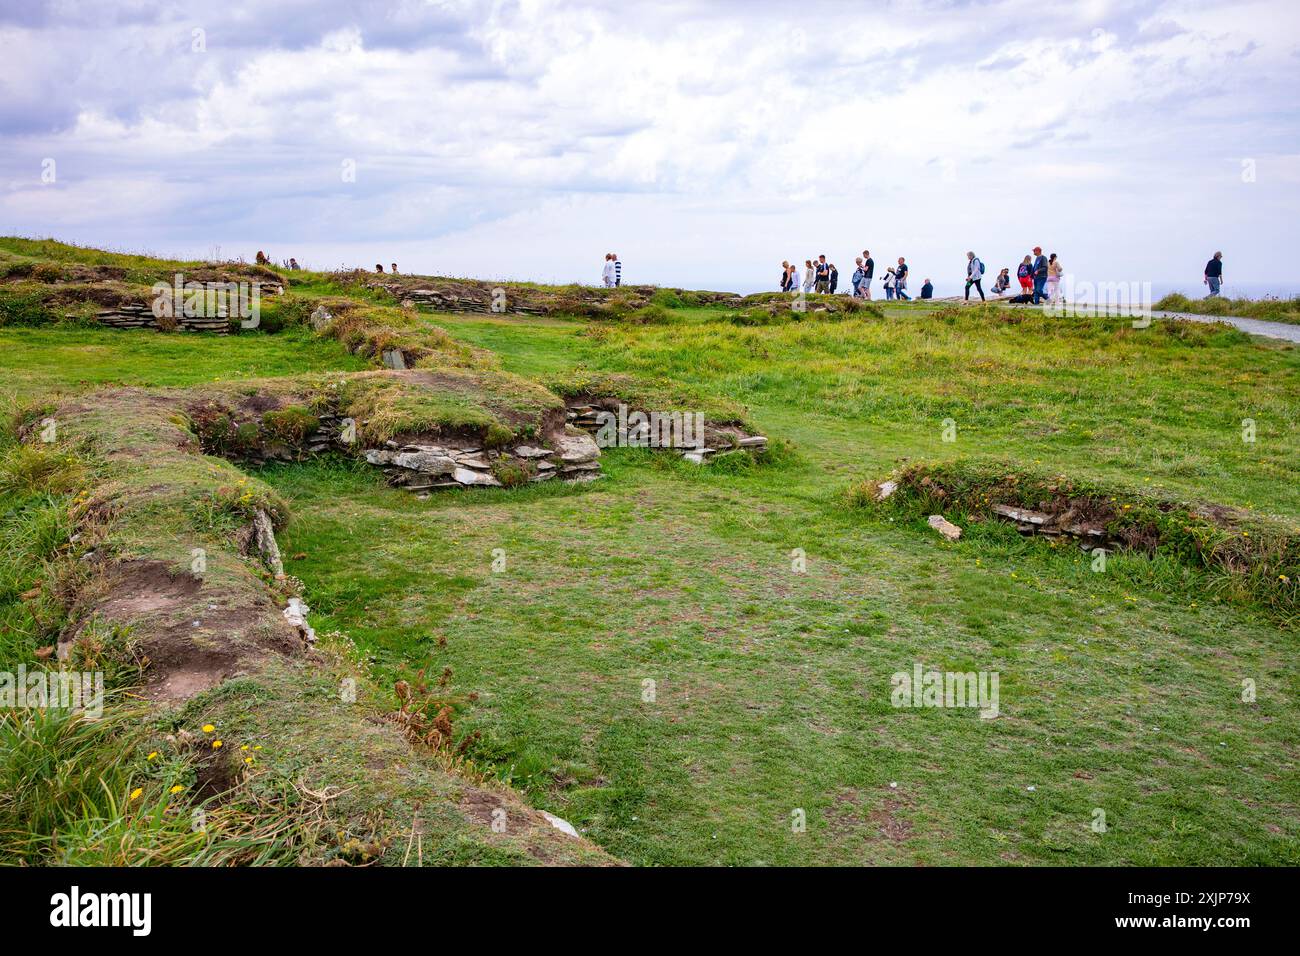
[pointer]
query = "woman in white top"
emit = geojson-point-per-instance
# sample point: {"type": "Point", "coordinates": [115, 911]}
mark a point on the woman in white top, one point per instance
{"type": "Point", "coordinates": [1054, 273]}
{"type": "Point", "coordinates": [808, 276]}
{"type": "Point", "coordinates": [889, 283]}
{"type": "Point", "coordinates": [608, 274]}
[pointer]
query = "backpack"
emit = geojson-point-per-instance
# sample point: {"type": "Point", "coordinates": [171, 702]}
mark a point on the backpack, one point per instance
{"type": "Point", "coordinates": [981, 262]}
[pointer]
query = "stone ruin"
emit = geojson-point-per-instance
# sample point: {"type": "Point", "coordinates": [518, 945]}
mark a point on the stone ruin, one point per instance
{"type": "Point", "coordinates": [664, 431]}
{"type": "Point", "coordinates": [421, 467]}
{"type": "Point", "coordinates": [134, 316]}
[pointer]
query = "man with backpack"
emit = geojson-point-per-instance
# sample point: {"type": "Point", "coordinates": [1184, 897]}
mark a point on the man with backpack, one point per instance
{"type": "Point", "coordinates": [974, 275]}
{"type": "Point", "coordinates": [823, 275]}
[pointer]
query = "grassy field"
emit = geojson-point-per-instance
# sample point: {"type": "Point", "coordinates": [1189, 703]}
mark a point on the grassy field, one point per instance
{"type": "Point", "coordinates": [685, 662]}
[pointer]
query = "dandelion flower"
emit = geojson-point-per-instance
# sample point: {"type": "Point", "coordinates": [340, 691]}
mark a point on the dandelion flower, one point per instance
{"type": "Point", "coordinates": [135, 794]}
{"type": "Point", "coordinates": [208, 728]}
{"type": "Point", "coordinates": [176, 789]}
{"type": "Point", "coordinates": [216, 744]}
{"type": "Point", "coordinates": [152, 756]}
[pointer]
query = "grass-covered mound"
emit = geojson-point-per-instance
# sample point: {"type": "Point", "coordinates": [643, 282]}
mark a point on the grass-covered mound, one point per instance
{"type": "Point", "coordinates": [1270, 310]}
{"type": "Point", "coordinates": [1253, 557]}
{"type": "Point", "coordinates": [130, 550]}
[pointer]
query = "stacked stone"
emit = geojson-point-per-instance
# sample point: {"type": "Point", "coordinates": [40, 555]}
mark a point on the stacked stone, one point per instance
{"type": "Point", "coordinates": [128, 317]}
{"type": "Point", "coordinates": [587, 417]}
{"type": "Point", "coordinates": [577, 457]}
{"type": "Point", "coordinates": [324, 437]}
{"type": "Point", "coordinates": [132, 316]}
{"type": "Point", "coordinates": [203, 323]}
{"type": "Point", "coordinates": [452, 302]}
{"type": "Point", "coordinates": [426, 467]}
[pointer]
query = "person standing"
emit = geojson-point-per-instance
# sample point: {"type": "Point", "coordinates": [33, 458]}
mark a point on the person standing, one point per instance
{"type": "Point", "coordinates": [1214, 274]}
{"type": "Point", "coordinates": [857, 278]}
{"type": "Point", "coordinates": [823, 274]}
{"type": "Point", "coordinates": [607, 274]}
{"type": "Point", "coordinates": [809, 276]}
{"type": "Point", "coordinates": [835, 277]}
{"type": "Point", "coordinates": [785, 275]}
{"type": "Point", "coordinates": [900, 281]}
{"type": "Point", "coordinates": [1054, 273]}
{"type": "Point", "coordinates": [868, 271]}
{"type": "Point", "coordinates": [1025, 273]}
{"type": "Point", "coordinates": [974, 275]}
{"type": "Point", "coordinates": [792, 284]}
{"type": "Point", "coordinates": [1040, 275]}
{"type": "Point", "coordinates": [889, 283]}
{"type": "Point", "coordinates": [618, 269]}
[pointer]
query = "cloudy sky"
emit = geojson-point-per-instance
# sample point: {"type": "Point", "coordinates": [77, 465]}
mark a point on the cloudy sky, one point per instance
{"type": "Point", "coordinates": [702, 141]}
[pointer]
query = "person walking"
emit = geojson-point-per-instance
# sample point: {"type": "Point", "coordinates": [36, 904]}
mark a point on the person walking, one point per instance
{"type": "Point", "coordinates": [900, 281]}
{"type": "Point", "coordinates": [857, 278]}
{"type": "Point", "coordinates": [889, 283]}
{"type": "Point", "coordinates": [868, 272]}
{"type": "Point", "coordinates": [809, 275]}
{"type": "Point", "coordinates": [1214, 274]}
{"type": "Point", "coordinates": [1054, 273]}
{"type": "Point", "coordinates": [835, 277]}
{"type": "Point", "coordinates": [974, 275]}
{"type": "Point", "coordinates": [785, 275]}
{"type": "Point", "coordinates": [1040, 275]}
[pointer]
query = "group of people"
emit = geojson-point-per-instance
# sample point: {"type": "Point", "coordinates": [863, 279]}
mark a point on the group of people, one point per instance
{"type": "Point", "coordinates": [612, 275]}
{"type": "Point", "coordinates": [1039, 275]}
{"type": "Point", "coordinates": [292, 264]}
{"type": "Point", "coordinates": [819, 276]}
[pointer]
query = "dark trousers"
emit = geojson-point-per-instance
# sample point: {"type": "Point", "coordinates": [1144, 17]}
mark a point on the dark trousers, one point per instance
{"type": "Point", "coordinates": [1040, 292]}
{"type": "Point", "coordinates": [978, 288]}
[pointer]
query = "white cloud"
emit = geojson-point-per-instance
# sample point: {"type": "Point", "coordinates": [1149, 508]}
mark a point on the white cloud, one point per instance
{"type": "Point", "coordinates": [688, 133]}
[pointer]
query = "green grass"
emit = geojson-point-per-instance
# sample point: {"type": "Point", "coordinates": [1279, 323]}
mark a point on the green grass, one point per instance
{"type": "Point", "coordinates": [37, 362]}
{"type": "Point", "coordinates": [1120, 690]}
{"type": "Point", "coordinates": [1270, 310]}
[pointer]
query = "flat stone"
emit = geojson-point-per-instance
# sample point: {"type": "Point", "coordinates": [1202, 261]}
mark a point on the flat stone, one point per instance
{"type": "Point", "coordinates": [886, 489]}
{"type": "Point", "coordinates": [473, 461]}
{"type": "Point", "coordinates": [532, 451]}
{"type": "Point", "coordinates": [377, 456]}
{"type": "Point", "coordinates": [467, 477]}
{"type": "Point", "coordinates": [945, 527]}
{"type": "Point", "coordinates": [394, 359]}
{"type": "Point", "coordinates": [578, 448]}
{"type": "Point", "coordinates": [427, 463]}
